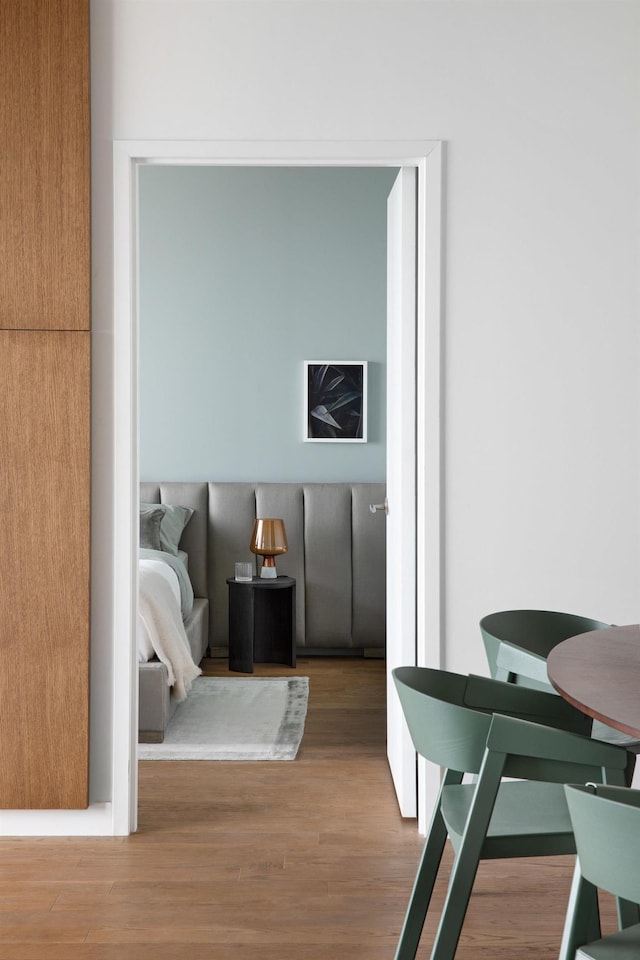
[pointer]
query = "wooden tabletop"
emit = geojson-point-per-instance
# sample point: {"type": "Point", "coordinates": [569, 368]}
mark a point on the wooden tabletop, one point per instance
{"type": "Point", "coordinates": [599, 673]}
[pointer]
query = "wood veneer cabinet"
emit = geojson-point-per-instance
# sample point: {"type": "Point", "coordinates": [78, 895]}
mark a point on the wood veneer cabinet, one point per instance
{"type": "Point", "coordinates": [45, 394]}
{"type": "Point", "coordinates": [44, 166]}
{"type": "Point", "coordinates": [44, 571]}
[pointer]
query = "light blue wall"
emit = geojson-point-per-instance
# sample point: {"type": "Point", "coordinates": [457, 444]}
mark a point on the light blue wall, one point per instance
{"type": "Point", "coordinates": [244, 274]}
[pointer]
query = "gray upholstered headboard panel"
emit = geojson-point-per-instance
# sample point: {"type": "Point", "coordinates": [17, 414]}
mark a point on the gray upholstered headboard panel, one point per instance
{"type": "Point", "coordinates": [337, 553]}
{"type": "Point", "coordinates": [194, 538]}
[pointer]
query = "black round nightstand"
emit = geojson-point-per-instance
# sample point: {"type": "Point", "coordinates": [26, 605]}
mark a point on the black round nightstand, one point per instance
{"type": "Point", "coordinates": [262, 620]}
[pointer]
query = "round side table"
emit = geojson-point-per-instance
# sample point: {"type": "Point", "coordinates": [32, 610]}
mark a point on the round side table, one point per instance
{"type": "Point", "coordinates": [262, 619]}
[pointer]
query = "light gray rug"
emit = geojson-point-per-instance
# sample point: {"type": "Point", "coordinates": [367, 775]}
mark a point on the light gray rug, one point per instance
{"type": "Point", "coordinates": [235, 718]}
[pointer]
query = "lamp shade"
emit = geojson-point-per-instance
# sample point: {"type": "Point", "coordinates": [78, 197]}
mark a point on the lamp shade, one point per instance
{"type": "Point", "coordinates": [269, 540]}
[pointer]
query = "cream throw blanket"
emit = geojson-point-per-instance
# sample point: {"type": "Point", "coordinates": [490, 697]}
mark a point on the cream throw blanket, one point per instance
{"type": "Point", "coordinates": [162, 619]}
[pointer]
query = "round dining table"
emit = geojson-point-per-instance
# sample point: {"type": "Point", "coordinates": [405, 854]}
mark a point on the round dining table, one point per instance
{"type": "Point", "coordinates": [599, 673]}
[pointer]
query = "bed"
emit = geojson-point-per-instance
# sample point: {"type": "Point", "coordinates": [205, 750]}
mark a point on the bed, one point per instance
{"type": "Point", "coordinates": [165, 601]}
{"type": "Point", "coordinates": [173, 616]}
{"type": "Point", "coordinates": [337, 555]}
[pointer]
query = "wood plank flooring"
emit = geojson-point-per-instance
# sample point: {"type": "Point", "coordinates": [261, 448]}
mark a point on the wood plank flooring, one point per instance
{"type": "Point", "coordinates": [306, 860]}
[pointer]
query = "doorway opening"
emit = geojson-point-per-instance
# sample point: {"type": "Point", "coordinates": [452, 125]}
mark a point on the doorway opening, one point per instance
{"type": "Point", "coordinates": [425, 160]}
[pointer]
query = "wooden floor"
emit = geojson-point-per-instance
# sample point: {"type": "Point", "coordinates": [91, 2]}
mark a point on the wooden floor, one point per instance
{"type": "Point", "coordinates": [305, 860]}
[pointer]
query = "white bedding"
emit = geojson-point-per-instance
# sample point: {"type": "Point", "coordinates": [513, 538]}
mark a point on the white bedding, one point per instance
{"type": "Point", "coordinates": [161, 631]}
{"type": "Point", "coordinates": [159, 569]}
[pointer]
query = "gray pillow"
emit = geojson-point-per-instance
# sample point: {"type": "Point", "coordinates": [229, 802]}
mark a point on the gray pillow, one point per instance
{"type": "Point", "coordinates": [150, 522]}
{"type": "Point", "coordinates": [174, 520]}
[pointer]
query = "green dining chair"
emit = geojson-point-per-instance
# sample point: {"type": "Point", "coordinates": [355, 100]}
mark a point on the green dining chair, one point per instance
{"type": "Point", "coordinates": [493, 730]}
{"type": "Point", "coordinates": [518, 642]}
{"type": "Point", "coordinates": [606, 825]}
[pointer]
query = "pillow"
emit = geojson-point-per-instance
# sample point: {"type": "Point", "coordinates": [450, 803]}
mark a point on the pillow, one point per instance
{"type": "Point", "coordinates": [150, 521]}
{"type": "Point", "coordinates": [174, 520]}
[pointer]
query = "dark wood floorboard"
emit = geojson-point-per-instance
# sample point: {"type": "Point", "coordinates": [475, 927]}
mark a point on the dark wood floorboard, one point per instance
{"type": "Point", "coordinates": [302, 860]}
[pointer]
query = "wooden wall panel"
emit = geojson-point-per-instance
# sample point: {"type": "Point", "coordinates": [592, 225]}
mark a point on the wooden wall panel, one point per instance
{"type": "Point", "coordinates": [44, 569]}
{"type": "Point", "coordinates": [44, 165]}
{"type": "Point", "coordinates": [44, 403]}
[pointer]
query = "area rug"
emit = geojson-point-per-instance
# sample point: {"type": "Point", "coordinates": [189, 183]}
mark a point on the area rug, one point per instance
{"type": "Point", "coordinates": [235, 718]}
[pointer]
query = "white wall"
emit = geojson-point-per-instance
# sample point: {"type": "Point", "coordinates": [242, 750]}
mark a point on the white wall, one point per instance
{"type": "Point", "coordinates": [538, 104]}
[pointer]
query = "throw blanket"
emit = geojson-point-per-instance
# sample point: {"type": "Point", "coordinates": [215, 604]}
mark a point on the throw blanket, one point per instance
{"type": "Point", "coordinates": [161, 617]}
{"type": "Point", "coordinates": [178, 567]}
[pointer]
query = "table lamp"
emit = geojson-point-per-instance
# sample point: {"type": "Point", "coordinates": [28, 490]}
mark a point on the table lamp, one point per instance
{"type": "Point", "coordinates": [269, 540]}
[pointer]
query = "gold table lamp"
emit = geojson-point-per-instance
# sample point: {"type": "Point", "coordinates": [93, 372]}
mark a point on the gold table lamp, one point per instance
{"type": "Point", "coordinates": [269, 540]}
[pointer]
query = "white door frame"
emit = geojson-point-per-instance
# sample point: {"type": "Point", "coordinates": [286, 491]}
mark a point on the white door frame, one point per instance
{"type": "Point", "coordinates": [427, 158]}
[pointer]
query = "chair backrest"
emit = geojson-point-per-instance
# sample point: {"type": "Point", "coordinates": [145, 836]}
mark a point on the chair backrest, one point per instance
{"type": "Point", "coordinates": [449, 716]}
{"type": "Point", "coordinates": [606, 824]}
{"type": "Point", "coordinates": [441, 728]}
{"type": "Point", "coordinates": [518, 642]}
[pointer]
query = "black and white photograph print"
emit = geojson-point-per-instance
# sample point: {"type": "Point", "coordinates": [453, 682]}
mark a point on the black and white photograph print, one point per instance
{"type": "Point", "coordinates": [335, 394]}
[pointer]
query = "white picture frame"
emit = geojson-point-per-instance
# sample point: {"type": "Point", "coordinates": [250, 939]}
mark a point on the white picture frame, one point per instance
{"type": "Point", "coordinates": [335, 401]}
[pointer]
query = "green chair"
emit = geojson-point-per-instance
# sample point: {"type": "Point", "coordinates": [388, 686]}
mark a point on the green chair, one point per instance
{"type": "Point", "coordinates": [518, 642]}
{"type": "Point", "coordinates": [606, 824]}
{"type": "Point", "coordinates": [493, 730]}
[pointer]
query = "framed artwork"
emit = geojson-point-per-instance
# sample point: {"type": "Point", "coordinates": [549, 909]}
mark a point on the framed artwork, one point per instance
{"type": "Point", "coordinates": [335, 401]}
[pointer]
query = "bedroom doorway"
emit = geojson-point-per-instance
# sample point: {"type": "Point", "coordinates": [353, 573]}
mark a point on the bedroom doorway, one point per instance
{"type": "Point", "coordinates": [421, 556]}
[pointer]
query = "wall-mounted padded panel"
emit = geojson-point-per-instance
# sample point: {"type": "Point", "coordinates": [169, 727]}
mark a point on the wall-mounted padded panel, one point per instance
{"type": "Point", "coordinates": [149, 492]}
{"type": "Point", "coordinates": [285, 500]}
{"type": "Point", "coordinates": [327, 535]}
{"type": "Point", "coordinates": [194, 537]}
{"type": "Point", "coordinates": [369, 559]}
{"type": "Point", "coordinates": [232, 510]}
{"type": "Point", "coordinates": [336, 553]}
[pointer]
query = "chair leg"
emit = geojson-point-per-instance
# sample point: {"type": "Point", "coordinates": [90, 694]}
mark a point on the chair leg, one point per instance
{"type": "Point", "coordinates": [628, 913]}
{"type": "Point", "coordinates": [582, 924]}
{"type": "Point", "coordinates": [631, 765]}
{"type": "Point", "coordinates": [467, 859]}
{"type": "Point", "coordinates": [425, 878]}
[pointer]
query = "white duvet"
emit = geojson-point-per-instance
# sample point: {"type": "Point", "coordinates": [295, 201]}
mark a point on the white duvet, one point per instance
{"type": "Point", "coordinates": [161, 631]}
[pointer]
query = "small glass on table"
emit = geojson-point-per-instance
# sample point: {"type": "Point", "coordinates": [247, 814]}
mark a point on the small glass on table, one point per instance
{"type": "Point", "coordinates": [244, 571]}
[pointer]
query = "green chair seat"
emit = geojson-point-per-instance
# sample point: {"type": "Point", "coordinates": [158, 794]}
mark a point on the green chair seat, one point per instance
{"type": "Point", "coordinates": [623, 945]}
{"type": "Point", "coordinates": [522, 745]}
{"type": "Point", "coordinates": [529, 819]}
